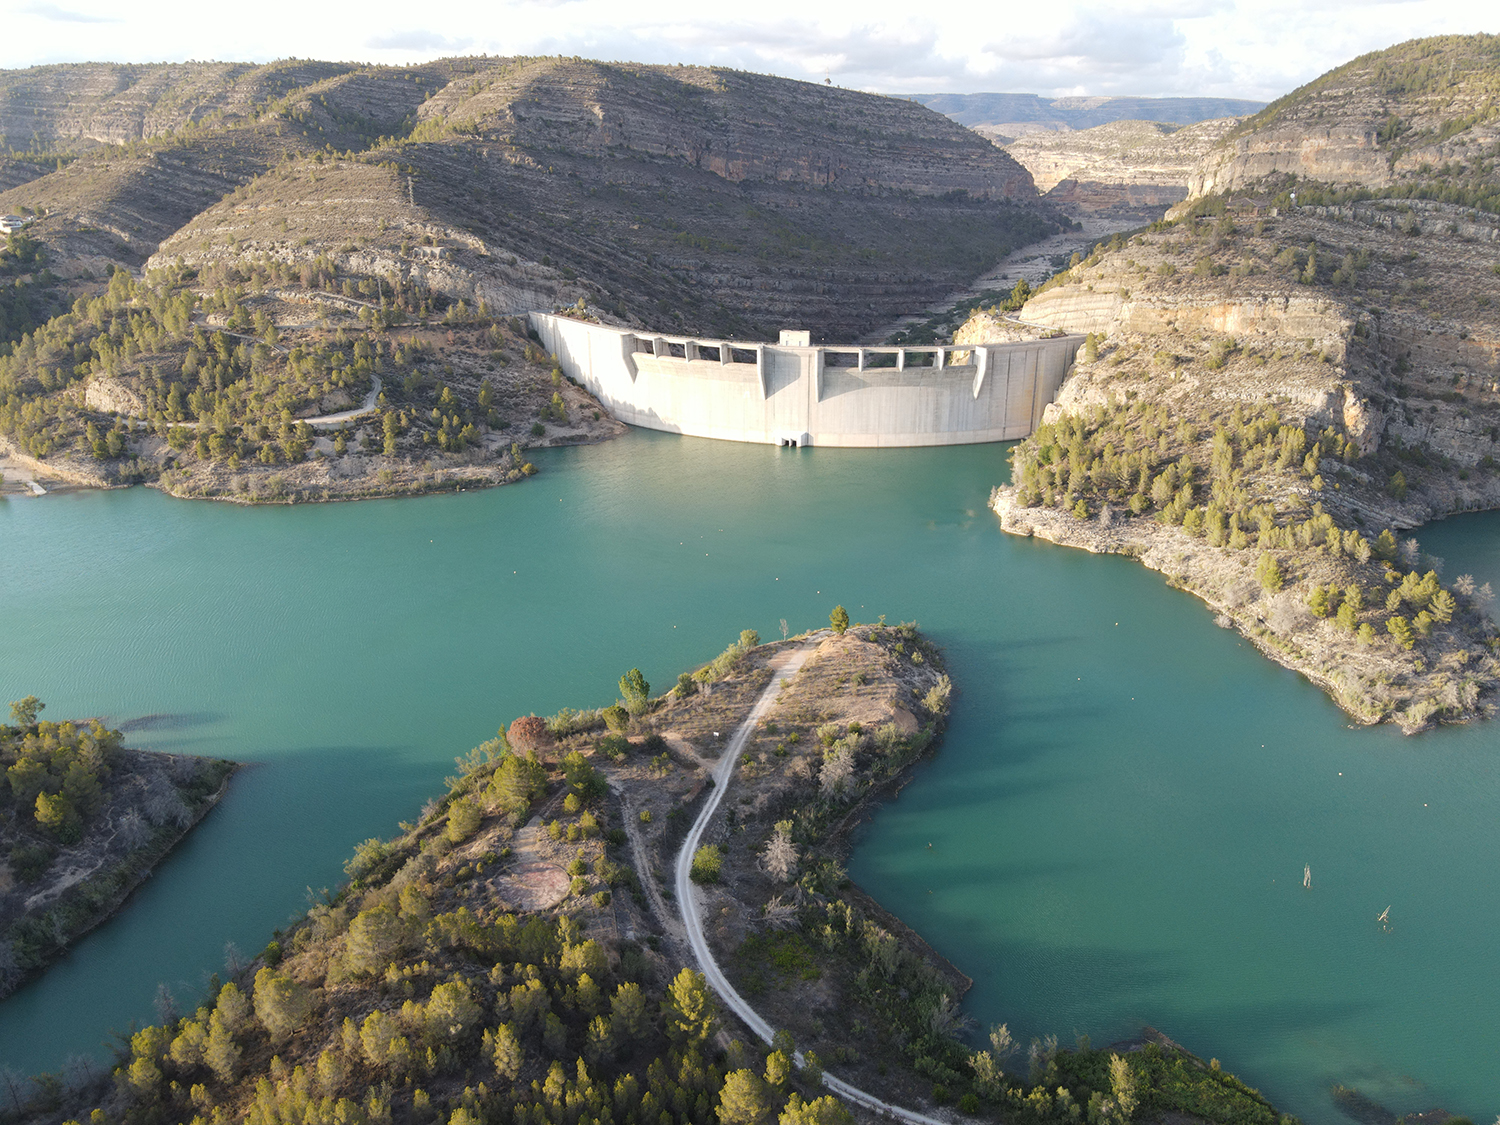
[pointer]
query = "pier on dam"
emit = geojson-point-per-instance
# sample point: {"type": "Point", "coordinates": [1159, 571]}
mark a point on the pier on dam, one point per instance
{"type": "Point", "coordinates": [795, 393]}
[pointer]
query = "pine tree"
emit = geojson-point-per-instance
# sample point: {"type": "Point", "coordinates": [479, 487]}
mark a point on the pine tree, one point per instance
{"type": "Point", "coordinates": [504, 1048]}
{"type": "Point", "coordinates": [826, 1110]}
{"type": "Point", "coordinates": [1443, 606]}
{"type": "Point", "coordinates": [636, 691]}
{"type": "Point", "coordinates": [743, 1099]}
{"type": "Point", "coordinates": [221, 1052]}
{"type": "Point", "coordinates": [1269, 572]}
{"type": "Point", "coordinates": [1123, 1085]}
{"type": "Point", "coordinates": [689, 1008]}
{"type": "Point", "coordinates": [778, 1069]}
{"type": "Point", "coordinates": [839, 619]}
{"type": "Point", "coordinates": [628, 1019]}
{"type": "Point", "coordinates": [281, 1004]}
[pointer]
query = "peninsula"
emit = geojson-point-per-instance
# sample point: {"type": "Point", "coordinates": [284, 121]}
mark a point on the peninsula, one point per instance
{"type": "Point", "coordinates": [639, 910]}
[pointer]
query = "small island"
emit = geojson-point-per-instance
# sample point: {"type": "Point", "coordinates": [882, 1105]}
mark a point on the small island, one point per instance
{"type": "Point", "coordinates": [83, 820]}
{"type": "Point", "coordinates": [637, 914]}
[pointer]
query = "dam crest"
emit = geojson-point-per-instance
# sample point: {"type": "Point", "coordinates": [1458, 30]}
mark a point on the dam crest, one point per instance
{"type": "Point", "coordinates": [796, 393]}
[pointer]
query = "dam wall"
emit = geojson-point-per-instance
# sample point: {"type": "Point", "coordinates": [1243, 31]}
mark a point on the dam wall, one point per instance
{"type": "Point", "coordinates": [793, 393]}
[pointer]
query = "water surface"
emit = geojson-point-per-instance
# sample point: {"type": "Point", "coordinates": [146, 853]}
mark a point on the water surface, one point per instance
{"type": "Point", "coordinates": [1119, 816]}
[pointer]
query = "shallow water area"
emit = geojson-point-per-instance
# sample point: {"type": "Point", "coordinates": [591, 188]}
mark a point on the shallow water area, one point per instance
{"type": "Point", "coordinates": [1119, 816]}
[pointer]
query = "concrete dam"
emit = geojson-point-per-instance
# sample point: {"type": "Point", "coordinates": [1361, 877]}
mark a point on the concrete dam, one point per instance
{"type": "Point", "coordinates": [793, 393]}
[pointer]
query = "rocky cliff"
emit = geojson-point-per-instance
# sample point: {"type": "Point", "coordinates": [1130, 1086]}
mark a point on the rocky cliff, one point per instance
{"type": "Point", "coordinates": [1417, 112]}
{"type": "Point", "coordinates": [1337, 312]}
{"type": "Point", "coordinates": [1131, 164]}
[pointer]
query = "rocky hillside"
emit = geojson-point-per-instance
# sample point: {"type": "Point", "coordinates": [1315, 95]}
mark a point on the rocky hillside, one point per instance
{"type": "Point", "coordinates": [700, 199]}
{"type": "Point", "coordinates": [1421, 116]}
{"type": "Point", "coordinates": [1131, 164]}
{"type": "Point", "coordinates": [1273, 381]}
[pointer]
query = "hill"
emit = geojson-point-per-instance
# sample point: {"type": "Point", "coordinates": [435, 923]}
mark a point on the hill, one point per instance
{"type": "Point", "coordinates": [83, 821]}
{"type": "Point", "coordinates": [1272, 395]}
{"type": "Point", "coordinates": [1418, 119]}
{"type": "Point", "coordinates": [714, 201]}
{"type": "Point", "coordinates": [1292, 369]}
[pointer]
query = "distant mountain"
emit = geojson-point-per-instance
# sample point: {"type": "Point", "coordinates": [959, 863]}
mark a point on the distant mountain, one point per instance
{"type": "Point", "coordinates": [990, 112]}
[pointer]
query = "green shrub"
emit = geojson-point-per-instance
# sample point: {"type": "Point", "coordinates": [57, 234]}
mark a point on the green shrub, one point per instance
{"type": "Point", "coordinates": [463, 820]}
{"type": "Point", "coordinates": [707, 863]}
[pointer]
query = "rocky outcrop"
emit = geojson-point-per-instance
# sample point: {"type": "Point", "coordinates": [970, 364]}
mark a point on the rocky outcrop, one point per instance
{"type": "Point", "coordinates": [1017, 115]}
{"type": "Point", "coordinates": [77, 105]}
{"type": "Point", "coordinates": [1395, 340]}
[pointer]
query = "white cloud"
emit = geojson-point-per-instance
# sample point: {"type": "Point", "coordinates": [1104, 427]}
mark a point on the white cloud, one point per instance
{"type": "Point", "coordinates": [1227, 48]}
{"type": "Point", "coordinates": [418, 41]}
{"type": "Point", "coordinates": [62, 15]}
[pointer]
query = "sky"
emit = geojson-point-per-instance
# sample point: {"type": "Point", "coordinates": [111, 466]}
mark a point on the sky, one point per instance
{"type": "Point", "coordinates": [1223, 48]}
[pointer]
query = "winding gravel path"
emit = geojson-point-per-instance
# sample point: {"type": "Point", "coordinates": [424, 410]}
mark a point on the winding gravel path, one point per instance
{"type": "Point", "coordinates": [692, 921]}
{"type": "Point", "coordinates": [346, 415]}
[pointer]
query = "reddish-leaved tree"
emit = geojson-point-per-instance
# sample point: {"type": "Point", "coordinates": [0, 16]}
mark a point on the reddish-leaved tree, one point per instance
{"type": "Point", "coordinates": [529, 734]}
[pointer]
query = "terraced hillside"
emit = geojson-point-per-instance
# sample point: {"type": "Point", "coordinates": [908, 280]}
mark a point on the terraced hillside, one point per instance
{"type": "Point", "coordinates": [704, 199]}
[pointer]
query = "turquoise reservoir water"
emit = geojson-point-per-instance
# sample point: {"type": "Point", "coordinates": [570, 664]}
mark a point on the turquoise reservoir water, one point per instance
{"type": "Point", "coordinates": [1119, 816]}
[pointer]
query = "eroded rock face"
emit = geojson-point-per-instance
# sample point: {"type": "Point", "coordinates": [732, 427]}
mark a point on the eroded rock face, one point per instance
{"type": "Point", "coordinates": [116, 103]}
{"type": "Point", "coordinates": [112, 396]}
{"type": "Point", "coordinates": [734, 125]}
{"type": "Point", "coordinates": [1387, 117]}
{"type": "Point", "coordinates": [1394, 339]}
{"type": "Point", "coordinates": [1140, 154]}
